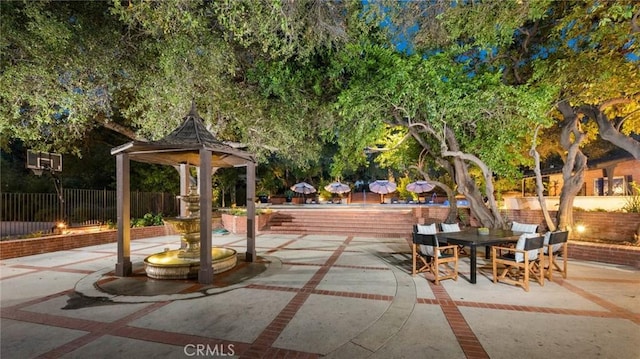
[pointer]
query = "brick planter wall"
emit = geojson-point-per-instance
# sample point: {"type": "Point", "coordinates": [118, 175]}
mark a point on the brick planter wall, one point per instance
{"type": "Point", "coordinates": [605, 253]}
{"type": "Point", "coordinates": [31, 246]}
{"type": "Point", "coordinates": [238, 224]}
{"type": "Point", "coordinates": [611, 226]}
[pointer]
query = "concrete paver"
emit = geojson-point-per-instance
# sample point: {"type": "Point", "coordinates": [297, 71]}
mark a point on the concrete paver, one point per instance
{"type": "Point", "coordinates": [310, 296]}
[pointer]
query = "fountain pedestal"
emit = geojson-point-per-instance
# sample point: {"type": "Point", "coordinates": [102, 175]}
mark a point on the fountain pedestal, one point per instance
{"type": "Point", "coordinates": [185, 263]}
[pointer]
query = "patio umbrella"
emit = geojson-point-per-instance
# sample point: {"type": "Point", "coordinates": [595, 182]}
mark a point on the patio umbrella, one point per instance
{"type": "Point", "coordinates": [337, 187]}
{"type": "Point", "coordinates": [420, 187]}
{"type": "Point", "coordinates": [304, 188]}
{"type": "Point", "coordinates": [382, 187]}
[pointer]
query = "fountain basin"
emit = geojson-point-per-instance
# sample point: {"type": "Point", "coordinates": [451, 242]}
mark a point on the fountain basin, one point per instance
{"type": "Point", "coordinates": [174, 265]}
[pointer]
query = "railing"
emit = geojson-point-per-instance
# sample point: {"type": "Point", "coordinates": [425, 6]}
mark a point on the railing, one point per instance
{"type": "Point", "coordinates": [24, 213]}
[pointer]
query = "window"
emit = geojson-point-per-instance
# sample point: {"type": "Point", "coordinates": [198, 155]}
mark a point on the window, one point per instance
{"type": "Point", "coordinates": [601, 186]}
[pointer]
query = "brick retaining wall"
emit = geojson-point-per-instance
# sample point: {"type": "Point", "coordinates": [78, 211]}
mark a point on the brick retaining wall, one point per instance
{"type": "Point", "coordinates": [605, 253]}
{"type": "Point", "coordinates": [612, 226]}
{"type": "Point", "coordinates": [27, 247]}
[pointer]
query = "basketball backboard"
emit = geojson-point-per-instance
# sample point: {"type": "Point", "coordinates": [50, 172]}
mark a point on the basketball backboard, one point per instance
{"type": "Point", "coordinates": [44, 161]}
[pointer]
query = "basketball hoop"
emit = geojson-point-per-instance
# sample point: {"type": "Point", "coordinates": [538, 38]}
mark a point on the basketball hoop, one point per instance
{"type": "Point", "coordinates": [39, 162]}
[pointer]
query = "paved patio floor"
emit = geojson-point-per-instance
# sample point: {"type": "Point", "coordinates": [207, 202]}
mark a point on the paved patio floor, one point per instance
{"type": "Point", "coordinates": [308, 297]}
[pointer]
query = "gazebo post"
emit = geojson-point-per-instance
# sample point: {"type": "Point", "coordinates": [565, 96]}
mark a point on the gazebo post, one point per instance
{"type": "Point", "coordinates": [123, 266]}
{"type": "Point", "coordinates": [205, 275]}
{"type": "Point", "coordinates": [250, 256]}
{"type": "Point", "coordinates": [184, 189]}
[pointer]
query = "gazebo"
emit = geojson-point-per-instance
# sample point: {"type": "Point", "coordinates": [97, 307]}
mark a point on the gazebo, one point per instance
{"type": "Point", "coordinates": [190, 144]}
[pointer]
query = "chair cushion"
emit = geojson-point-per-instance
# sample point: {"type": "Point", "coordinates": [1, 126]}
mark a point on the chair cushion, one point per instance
{"type": "Point", "coordinates": [533, 254]}
{"type": "Point", "coordinates": [524, 227]}
{"type": "Point", "coordinates": [450, 227]}
{"type": "Point", "coordinates": [427, 229]}
{"type": "Point", "coordinates": [554, 248]}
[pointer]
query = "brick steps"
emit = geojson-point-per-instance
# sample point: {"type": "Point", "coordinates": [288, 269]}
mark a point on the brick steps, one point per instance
{"type": "Point", "coordinates": [350, 222]}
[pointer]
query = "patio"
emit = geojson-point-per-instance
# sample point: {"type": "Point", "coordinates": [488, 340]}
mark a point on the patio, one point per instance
{"type": "Point", "coordinates": [321, 295]}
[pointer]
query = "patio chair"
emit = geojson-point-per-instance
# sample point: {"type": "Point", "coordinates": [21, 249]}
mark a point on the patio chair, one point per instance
{"type": "Point", "coordinates": [453, 227]}
{"type": "Point", "coordinates": [524, 227]}
{"type": "Point", "coordinates": [555, 245]}
{"type": "Point", "coordinates": [520, 263]}
{"type": "Point", "coordinates": [432, 255]}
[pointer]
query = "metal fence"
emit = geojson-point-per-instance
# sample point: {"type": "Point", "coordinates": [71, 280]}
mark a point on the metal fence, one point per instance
{"type": "Point", "coordinates": [24, 213]}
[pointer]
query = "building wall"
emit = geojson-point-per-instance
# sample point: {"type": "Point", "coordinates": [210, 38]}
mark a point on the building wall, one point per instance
{"type": "Point", "coordinates": [629, 168]}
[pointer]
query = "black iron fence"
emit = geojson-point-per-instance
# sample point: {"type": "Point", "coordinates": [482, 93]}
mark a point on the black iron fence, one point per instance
{"type": "Point", "coordinates": [24, 213]}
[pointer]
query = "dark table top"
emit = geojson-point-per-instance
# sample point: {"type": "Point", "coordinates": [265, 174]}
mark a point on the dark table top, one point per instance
{"type": "Point", "coordinates": [472, 237]}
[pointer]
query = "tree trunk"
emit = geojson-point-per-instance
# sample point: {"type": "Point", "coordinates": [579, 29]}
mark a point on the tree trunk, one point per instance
{"type": "Point", "coordinates": [608, 132]}
{"type": "Point", "coordinates": [452, 215]}
{"type": "Point", "coordinates": [488, 217]}
{"type": "Point", "coordinates": [574, 165]}
{"type": "Point", "coordinates": [539, 185]}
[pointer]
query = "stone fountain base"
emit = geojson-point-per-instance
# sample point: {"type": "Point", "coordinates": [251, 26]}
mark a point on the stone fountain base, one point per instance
{"type": "Point", "coordinates": [174, 265]}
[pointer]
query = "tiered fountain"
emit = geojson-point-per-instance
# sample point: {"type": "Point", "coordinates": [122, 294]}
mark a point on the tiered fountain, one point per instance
{"type": "Point", "coordinates": [185, 263]}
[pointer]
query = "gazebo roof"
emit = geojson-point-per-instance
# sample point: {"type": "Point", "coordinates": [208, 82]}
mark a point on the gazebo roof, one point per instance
{"type": "Point", "coordinates": [183, 145]}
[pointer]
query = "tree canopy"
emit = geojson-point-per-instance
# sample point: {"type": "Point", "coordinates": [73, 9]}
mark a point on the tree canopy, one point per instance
{"type": "Point", "coordinates": [461, 85]}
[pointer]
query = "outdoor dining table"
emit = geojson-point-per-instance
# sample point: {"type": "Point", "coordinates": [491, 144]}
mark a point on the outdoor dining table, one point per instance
{"type": "Point", "coordinates": [472, 239]}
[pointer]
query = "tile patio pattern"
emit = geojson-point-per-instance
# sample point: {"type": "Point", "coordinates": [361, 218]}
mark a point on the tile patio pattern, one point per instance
{"type": "Point", "coordinates": [322, 296]}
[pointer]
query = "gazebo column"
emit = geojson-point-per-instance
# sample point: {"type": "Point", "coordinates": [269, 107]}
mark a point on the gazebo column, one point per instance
{"type": "Point", "coordinates": [205, 275]}
{"type": "Point", "coordinates": [250, 256]}
{"type": "Point", "coordinates": [123, 266]}
{"type": "Point", "coordinates": [185, 185]}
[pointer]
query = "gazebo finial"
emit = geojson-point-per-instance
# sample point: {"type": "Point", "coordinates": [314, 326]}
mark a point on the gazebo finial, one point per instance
{"type": "Point", "coordinates": [193, 111]}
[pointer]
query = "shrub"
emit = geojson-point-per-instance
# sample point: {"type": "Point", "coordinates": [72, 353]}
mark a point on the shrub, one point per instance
{"type": "Point", "coordinates": [632, 204]}
{"type": "Point", "coordinates": [148, 219]}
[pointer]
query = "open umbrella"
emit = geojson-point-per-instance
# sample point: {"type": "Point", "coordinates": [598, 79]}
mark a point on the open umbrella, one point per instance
{"type": "Point", "coordinates": [303, 187]}
{"type": "Point", "coordinates": [337, 187]}
{"type": "Point", "coordinates": [382, 187]}
{"type": "Point", "coordinates": [420, 187]}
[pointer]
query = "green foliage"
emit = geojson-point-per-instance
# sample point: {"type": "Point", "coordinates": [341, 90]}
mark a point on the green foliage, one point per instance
{"type": "Point", "coordinates": [307, 86]}
{"type": "Point", "coordinates": [149, 219]}
{"type": "Point", "coordinates": [238, 211]}
{"type": "Point", "coordinates": [402, 191]}
{"type": "Point", "coordinates": [632, 203]}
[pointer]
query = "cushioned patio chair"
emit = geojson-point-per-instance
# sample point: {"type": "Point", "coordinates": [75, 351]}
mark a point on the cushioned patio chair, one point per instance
{"type": "Point", "coordinates": [555, 245]}
{"type": "Point", "coordinates": [524, 227]}
{"type": "Point", "coordinates": [520, 263]}
{"type": "Point", "coordinates": [432, 256]}
{"type": "Point", "coordinates": [453, 227]}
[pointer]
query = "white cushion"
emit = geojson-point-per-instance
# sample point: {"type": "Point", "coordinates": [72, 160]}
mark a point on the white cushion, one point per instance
{"type": "Point", "coordinates": [453, 227]}
{"type": "Point", "coordinates": [533, 254]}
{"type": "Point", "coordinates": [524, 227]}
{"type": "Point", "coordinates": [554, 247]}
{"type": "Point", "coordinates": [427, 229]}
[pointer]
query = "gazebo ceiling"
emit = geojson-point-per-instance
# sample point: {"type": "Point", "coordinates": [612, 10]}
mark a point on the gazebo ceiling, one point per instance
{"type": "Point", "coordinates": [183, 145]}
